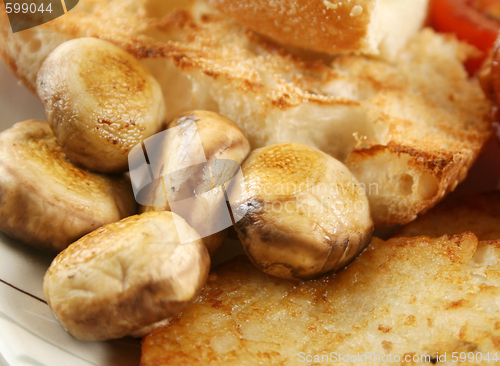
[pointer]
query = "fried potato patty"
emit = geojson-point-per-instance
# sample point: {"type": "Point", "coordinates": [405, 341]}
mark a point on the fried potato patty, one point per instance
{"type": "Point", "coordinates": [405, 296]}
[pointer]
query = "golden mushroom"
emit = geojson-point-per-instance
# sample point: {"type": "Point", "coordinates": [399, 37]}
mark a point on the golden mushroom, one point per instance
{"type": "Point", "coordinates": [100, 102]}
{"type": "Point", "coordinates": [304, 212]}
{"type": "Point", "coordinates": [126, 276]}
{"type": "Point", "coordinates": [45, 200]}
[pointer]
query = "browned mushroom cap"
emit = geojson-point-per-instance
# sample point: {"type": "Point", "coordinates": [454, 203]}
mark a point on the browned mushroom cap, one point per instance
{"type": "Point", "coordinates": [200, 152]}
{"type": "Point", "coordinates": [126, 276]}
{"type": "Point", "coordinates": [45, 200]}
{"type": "Point", "coordinates": [305, 213]}
{"type": "Point", "coordinates": [100, 102]}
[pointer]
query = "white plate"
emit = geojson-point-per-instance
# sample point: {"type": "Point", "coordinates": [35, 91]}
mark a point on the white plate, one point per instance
{"type": "Point", "coordinates": [29, 333]}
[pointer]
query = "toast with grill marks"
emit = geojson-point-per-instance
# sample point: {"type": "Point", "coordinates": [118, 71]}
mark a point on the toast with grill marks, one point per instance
{"type": "Point", "coordinates": [408, 129]}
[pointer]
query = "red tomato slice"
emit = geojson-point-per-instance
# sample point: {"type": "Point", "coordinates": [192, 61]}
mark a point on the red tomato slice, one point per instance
{"type": "Point", "coordinates": [474, 21]}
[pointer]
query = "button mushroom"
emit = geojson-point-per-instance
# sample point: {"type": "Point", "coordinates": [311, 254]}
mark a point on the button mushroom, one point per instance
{"type": "Point", "coordinates": [305, 213]}
{"type": "Point", "coordinates": [126, 276]}
{"type": "Point", "coordinates": [100, 102]}
{"type": "Point", "coordinates": [46, 201]}
{"type": "Point", "coordinates": [195, 157]}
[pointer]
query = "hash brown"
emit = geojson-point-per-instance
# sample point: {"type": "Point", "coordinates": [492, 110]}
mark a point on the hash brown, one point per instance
{"type": "Point", "coordinates": [406, 296]}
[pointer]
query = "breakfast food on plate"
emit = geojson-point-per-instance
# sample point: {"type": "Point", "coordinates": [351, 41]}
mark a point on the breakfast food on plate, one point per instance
{"type": "Point", "coordinates": [304, 212]}
{"type": "Point", "coordinates": [479, 214]}
{"type": "Point", "coordinates": [193, 160]}
{"type": "Point", "coordinates": [47, 202]}
{"type": "Point", "coordinates": [410, 128]}
{"type": "Point", "coordinates": [411, 298]}
{"type": "Point", "coordinates": [100, 102]}
{"type": "Point", "coordinates": [342, 144]}
{"type": "Point", "coordinates": [332, 26]}
{"type": "Point", "coordinates": [126, 276]}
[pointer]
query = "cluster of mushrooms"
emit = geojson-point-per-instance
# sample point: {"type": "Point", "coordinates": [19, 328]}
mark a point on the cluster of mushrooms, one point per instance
{"type": "Point", "coordinates": [63, 188]}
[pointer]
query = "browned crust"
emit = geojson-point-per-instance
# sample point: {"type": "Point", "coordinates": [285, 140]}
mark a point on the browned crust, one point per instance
{"type": "Point", "coordinates": [304, 23]}
{"type": "Point", "coordinates": [448, 167]}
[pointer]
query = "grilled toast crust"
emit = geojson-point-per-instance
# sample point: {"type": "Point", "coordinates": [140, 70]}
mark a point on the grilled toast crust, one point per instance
{"type": "Point", "coordinates": [376, 27]}
{"type": "Point", "coordinates": [409, 129]}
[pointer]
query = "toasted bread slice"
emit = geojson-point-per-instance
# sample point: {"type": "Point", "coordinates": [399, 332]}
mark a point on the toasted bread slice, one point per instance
{"type": "Point", "coordinates": [376, 27]}
{"type": "Point", "coordinates": [404, 297]}
{"type": "Point", "coordinates": [409, 130]}
{"type": "Point", "coordinates": [479, 214]}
